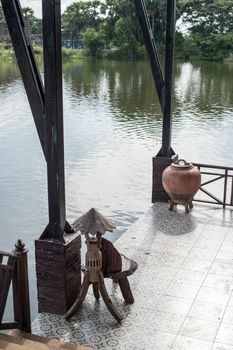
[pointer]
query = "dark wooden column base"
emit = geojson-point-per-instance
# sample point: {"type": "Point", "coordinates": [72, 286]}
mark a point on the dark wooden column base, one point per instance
{"type": "Point", "coordinates": [159, 164]}
{"type": "Point", "coordinates": [58, 271]}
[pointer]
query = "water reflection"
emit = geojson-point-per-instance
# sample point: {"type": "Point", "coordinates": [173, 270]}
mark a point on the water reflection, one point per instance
{"type": "Point", "coordinates": [207, 86]}
{"type": "Point", "coordinates": [8, 73]}
{"type": "Point", "coordinates": [112, 131]}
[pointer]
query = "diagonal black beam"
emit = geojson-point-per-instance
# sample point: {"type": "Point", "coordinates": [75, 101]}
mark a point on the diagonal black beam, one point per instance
{"type": "Point", "coordinates": [54, 117]}
{"type": "Point", "coordinates": [27, 64]}
{"type": "Point", "coordinates": [151, 49]}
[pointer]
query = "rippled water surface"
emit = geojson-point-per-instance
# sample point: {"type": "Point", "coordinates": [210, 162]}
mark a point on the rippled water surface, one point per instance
{"type": "Point", "coordinates": [112, 131]}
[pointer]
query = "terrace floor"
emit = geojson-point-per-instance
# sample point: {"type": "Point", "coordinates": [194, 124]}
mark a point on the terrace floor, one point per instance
{"type": "Point", "coordinates": [182, 288]}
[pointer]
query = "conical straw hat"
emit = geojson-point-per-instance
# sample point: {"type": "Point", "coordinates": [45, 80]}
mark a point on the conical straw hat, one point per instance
{"type": "Point", "coordinates": [93, 222]}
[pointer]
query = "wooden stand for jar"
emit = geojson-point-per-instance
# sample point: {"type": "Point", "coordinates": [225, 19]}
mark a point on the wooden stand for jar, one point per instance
{"type": "Point", "coordinates": [188, 205]}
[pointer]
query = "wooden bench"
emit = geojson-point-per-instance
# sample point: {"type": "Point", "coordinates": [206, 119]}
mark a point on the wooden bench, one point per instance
{"type": "Point", "coordinates": [128, 268]}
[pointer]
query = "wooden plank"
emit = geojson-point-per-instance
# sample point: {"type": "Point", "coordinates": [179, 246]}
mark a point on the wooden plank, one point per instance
{"type": "Point", "coordinates": [6, 280]}
{"type": "Point", "coordinates": [54, 342]}
{"type": "Point", "coordinates": [51, 244]}
{"type": "Point", "coordinates": [73, 289]}
{"type": "Point", "coordinates": [49, 255]}
{"type": "Point", "coordinates": [59, 282]}
{"type": "Point", "coordinates": [48, 264]}
{"type": "Point", "coordinates": [6, 267]}
{"type": "Point", "coordinates": [8, 325]}
{"type": "Point", "coordinates": [73, 261]}
{"type": "Point", "coordinates": [41, 270]}
{"type": "Point", "coordinates": [48, 280]}
{"type": "Point", "coordinates": [52, 294]}
{"type": "Point", "coordinates": [5, 254]}
{"type": "Point", "coordinates": [55, 245]}
{"type": "Point", "coordinates": [47, 306]}
{"type": "Point", "coordinates": [29, 341]}
{"type": "Point", "coordinates": [2, 274]}
{"type": "Point", "coordinates": [11, 346]}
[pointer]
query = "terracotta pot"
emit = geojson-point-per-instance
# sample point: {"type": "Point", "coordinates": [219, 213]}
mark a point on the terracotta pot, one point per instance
{"type": "Point", "coordinates": [181, 180]}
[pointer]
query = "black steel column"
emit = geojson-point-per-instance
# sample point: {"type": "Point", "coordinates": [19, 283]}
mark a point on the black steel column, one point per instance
{"type": "Point", "coordinates": [166, 154]}
{"type": "Point", "coordinates": [54, 117]}
{"type": "Point", "coordinates": [166, 150]}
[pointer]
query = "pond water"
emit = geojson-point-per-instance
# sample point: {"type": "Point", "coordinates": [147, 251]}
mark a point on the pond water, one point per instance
{"type": "Point", "coordinates": [112, 130]}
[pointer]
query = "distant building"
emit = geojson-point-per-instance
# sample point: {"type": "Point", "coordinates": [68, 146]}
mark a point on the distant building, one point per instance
{"type": "Point", "coordinates": [4, 34]}
{"type": "Point", "coordinates": [71, 42]}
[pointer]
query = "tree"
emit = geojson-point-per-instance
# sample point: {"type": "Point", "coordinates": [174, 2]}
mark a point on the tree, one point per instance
{"type": "Point", "coordinates": [94, 42]}
{"type": "Point", "coordinates": [210, 25]}
{"type": "Point", "coordinates": [81, 15]}
{"type": "Point", "coordinates": [125, 37]}
{"type": "Point", "coordinates": [34, 23]}
{"type": "Point", "coordinates": [2, 18]}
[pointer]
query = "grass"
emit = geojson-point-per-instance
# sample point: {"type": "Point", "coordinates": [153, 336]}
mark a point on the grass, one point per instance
{"type": "Point", "coordinates": [6, 54]}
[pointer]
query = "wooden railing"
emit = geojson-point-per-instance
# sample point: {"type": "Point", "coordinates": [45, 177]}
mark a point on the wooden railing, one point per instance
{"type": "Point", "coordinates": [15, 270]}
{"type": "Point", "coordinates": [222, 193]}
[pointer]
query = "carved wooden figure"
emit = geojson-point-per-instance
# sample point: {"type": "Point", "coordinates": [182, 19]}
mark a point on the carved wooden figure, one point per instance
{"type": "Point", "coordinates": [102, 260]}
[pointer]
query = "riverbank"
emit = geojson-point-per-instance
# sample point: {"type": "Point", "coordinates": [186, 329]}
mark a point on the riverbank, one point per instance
{"type": "Point", "coordinates": [7, 55]}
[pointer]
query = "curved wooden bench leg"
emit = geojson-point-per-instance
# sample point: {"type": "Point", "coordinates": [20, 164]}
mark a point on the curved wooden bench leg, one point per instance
{"type": "Point", "coordinates": [126, 290]}
{"type": "Point", "coordinates": [107, 300]}
{"type": "Point", "coordinates": [96, 290]}
{"type": "Point", "coordinates": [78, 302]}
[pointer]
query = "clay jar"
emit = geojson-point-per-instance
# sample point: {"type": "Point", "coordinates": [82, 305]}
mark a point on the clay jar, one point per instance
{"type": "Point", "coordinates": [181, 180]}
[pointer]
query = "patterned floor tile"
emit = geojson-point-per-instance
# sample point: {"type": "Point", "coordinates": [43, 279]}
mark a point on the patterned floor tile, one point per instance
{"type": "Point", "coordinates": [179, 297]}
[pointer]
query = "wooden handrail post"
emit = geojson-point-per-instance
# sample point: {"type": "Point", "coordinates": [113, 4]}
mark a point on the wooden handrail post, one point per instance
{"type": "Point", "coordinates": [21, 288]}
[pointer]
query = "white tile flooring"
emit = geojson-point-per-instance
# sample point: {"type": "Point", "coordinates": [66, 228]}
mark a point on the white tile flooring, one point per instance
{"type": "Point", "coordinates": [182, 288]}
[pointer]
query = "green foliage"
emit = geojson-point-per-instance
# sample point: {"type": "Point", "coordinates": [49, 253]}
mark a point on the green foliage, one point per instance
{"type": "Point", "coordinates": [94, 42]}
{"type": "Point", "coordinates": [210, 26]}
{"type": "Point", "coordinates": [34, 23]}
{"type": "Point", "coordinates": [6, 54]}
{"type": "Point", "coordinates": [71, 54]}
{"type": "Point", "coordinates": [185, 47]}
{"type": "Point", "coordinates": [114, 24]}
{"type": "Point", "coordinates": [216, 46]}
{"type": "Point", "coordinates": [125, 37]}
{"type": "Point", "coordinates": [2, 18]}
{"type": "Point", "coordinates": [82, 15]}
